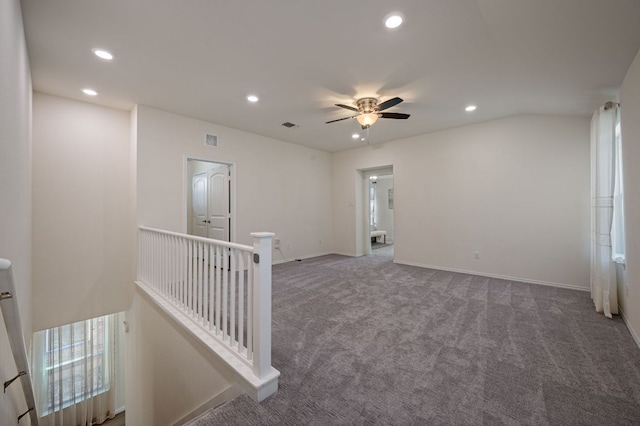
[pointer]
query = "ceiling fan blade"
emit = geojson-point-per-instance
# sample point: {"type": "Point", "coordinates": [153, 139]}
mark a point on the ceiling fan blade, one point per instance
{"type": "Point", "coordinates": [340, 119]}
{"type": "Point", "coordinates": [396, 115]}
{"type": "Point", "coordinates": [388, 104]}
{"type": "Point", "coordinates": [347, 107]}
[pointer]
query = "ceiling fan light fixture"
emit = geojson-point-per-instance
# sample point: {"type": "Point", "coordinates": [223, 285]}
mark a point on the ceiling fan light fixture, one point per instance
{"type": "Point", "coordinates": [368, 119]}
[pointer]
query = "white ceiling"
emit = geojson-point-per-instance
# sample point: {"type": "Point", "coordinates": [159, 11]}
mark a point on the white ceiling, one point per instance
{"type": "Point", "coordinates": [200, 58]}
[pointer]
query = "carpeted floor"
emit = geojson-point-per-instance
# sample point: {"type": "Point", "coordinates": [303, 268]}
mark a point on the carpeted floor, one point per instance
{"type": "Point", "coordinates": [364, 341]}
{"type": "Point", "coordinates": [376, 245]}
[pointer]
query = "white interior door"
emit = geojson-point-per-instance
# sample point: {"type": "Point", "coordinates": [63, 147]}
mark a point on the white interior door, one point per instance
{"type": "Point", "coordinates": [199, 201]}
{"type": "Point", "coordinates": [218, 210]}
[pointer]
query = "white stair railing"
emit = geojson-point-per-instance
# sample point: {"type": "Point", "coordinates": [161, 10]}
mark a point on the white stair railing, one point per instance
{"type": "Point", "coordinates": [223, 287]}
{"type": "Point", "coordinates": [11, 315]}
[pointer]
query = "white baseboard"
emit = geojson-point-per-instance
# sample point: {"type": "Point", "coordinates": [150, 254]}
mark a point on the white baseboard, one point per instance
{"type": "Point", "coordinates": [309, 256]}
{"type": "Point", "coordinates": [346, 254]}
{"type": "Point", "coordinates": [633, 333]}
{"type": "Point", "coordinates": [503, 277]}
{"type": "Point", "coordinates": [227, 394]}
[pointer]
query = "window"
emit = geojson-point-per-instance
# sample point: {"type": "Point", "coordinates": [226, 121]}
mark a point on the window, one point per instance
{"type": "Point", "coordinates": [617, 228]}
{"type": "Point", "coordinates": [75, 362]}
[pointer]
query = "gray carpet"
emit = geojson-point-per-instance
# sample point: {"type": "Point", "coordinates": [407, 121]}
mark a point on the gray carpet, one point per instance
{"type": "Point", "coordinates": [364, 341]}
{"type": "Point", "coordinates": [376, 245]}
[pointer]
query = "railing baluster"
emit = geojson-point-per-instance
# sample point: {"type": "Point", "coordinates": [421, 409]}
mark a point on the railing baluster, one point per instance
{"type": "Point", "coordinates": [198, 300]}
{"type": "Point", "coordinates": [212, 283]}
{"type": "Point", "coordinates": [171, 261]}
{"type": "Point", "coordinates": [183, 273]}
{"type": "Point", "coordinates": [205, 274]}
{"type": "Point", "coordinates": [232, 293]}
{"type": "Point", "coordinates": [194, 292]}
{"type": "Point", "coordinates": [218, 292]}
{"type": "Point", "coordinates": [194, 283]}
{"type": "Point", "coordinates": [190, 274]}
{"type": "Point", "coordinates": [240, 301]}
{"type": "Point", "coordinates": [161, 274]}
{"type": "Point", "coordinates": [163, 263]}
{"type": "Point", "coordinates": [154, 268]}
{"type": "Point", "coordinates": [205, 284]}
{"type": "Point", "coordinates": [250, 308]}
{"type": "Point", "coordinates": [156, 272]}
{"type": "Point", "coordinates": [225, 293]}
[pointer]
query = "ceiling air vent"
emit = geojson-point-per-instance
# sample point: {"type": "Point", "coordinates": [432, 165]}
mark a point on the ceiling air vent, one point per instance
{"type": "Point", "coordinates": [210, 140]}
{"type": "Point", "coordinates": [289, 125]}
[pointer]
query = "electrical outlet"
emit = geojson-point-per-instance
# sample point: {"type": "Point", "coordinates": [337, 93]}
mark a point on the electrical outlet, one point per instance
{"type": "Point", "coordinates": [276, 243]}
{"type": "Point", "coordinates": [477, 255]}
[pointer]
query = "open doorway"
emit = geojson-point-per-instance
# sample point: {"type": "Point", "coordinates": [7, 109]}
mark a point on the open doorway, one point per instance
{"type": "Point", "coordinates": [210, 199]}
{"type": "Point", "coordinates": [378, 207]}
{"type": "Point", "coordinates": [381, 210]}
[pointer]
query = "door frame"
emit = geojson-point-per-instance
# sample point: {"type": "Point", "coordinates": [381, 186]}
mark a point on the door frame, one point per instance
{"type": "Point", "coordinates": [186, 184]}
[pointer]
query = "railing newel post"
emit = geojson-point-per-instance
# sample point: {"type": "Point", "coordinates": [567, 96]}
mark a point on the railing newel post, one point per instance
{"type": "Point", "coordinates": [262, 303]}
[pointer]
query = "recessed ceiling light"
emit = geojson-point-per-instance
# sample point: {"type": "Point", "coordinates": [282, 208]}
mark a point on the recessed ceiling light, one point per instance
{"type": "Point", "coordinates": [355, 136]}
{"type": "Point", "coordinates": [470, 108]}
{"type": "Point", "coordinates": [103, 54]}
{"type": "Point", "coordinates": [393, 20]}
{"type": "Point", "coordinates": [89, 92]}
{"type": "Point", "coordinates": [252, 98]}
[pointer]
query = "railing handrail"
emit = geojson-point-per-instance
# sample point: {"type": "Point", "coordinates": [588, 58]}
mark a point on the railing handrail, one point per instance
{"type": "Point", "coordinates": [200, 239]}
{"type": "Point", "coordinates": [11, 314]}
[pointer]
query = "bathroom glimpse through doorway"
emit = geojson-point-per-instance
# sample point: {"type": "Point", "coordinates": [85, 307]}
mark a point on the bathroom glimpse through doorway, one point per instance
{"type": "Point", "coordinates": [381, 210]}
{"type": "Point", "coordinates": [377, 209]}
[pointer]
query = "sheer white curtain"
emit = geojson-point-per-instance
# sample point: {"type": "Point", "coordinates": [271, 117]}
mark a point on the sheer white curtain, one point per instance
{"type": "Point", "coordinates": [603, 158]}
{"type": "Point", "coordinates": [74, 371]}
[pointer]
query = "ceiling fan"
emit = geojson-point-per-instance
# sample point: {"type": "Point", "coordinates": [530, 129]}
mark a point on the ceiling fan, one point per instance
{"type": "Point", "coordinates": [369, 111]}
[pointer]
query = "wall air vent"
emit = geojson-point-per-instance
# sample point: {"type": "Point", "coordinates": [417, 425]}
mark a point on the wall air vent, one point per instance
{"type": "Point", "coordinates": [289, 125]}
{"type": "Point", "coordinates": [210, 140]}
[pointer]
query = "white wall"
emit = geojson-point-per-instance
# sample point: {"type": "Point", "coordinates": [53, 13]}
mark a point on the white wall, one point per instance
{"type": "Point", "coordinates": [281, 187]}
{"type": "Point", "coordinates": [515, 189]}
{"type": "Point", "coordinates": [169, 373]}
{"type": "Point", "coordinates": [83, 214]}
{"type": "Point", "coordinates": [630, 128]}
{"type": "Point", "coordinates": [15, 189]}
